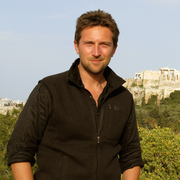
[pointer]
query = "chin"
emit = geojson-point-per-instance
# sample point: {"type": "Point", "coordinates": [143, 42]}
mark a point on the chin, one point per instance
{"type": "Point", "coordinates": [97, 71]}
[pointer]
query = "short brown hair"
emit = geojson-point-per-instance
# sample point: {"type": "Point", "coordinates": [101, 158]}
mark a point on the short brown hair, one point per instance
{"type": "Point", "coordinates": [96, 18]}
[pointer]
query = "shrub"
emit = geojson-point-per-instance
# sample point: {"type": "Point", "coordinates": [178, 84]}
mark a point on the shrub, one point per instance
{"type": "Point", "coordinates": [160, 153]}
{"type": "Point", "coordinates": [174, 98]}
{"type": "Point", "coordinates": [175, 95]}
{"type": "Point", "coordinates": [7, 123]}
{"type": "Point", "coordinates": [154, 112]}
{"type": "Point", "coordinates": [133, 85]}
{"type": "Point", "coordinates": [152, 100]}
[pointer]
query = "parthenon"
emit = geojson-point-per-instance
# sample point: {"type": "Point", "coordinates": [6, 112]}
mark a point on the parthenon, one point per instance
{"type": "Point", "coordinates": [164, 74]}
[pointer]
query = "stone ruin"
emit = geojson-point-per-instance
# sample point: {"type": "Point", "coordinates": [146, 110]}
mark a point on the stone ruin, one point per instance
{"type": "Point", "coordinates": [164, 74]}
{"type": "Point", "coordinates": [147, 83]}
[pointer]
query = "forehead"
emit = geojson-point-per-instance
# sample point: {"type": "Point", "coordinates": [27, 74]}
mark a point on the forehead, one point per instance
{"type": "Point", "coordinates": [97, 32]}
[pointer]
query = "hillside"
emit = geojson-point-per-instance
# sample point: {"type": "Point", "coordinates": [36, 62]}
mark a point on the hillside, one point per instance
{"type": "Point", "coordinates": [166, 114]}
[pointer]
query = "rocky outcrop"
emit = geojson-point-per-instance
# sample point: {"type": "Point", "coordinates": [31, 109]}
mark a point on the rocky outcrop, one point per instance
{"type": "Point", "coordinates": [8, 105]}
{"type": "Point", "coordinates": [4, 110]}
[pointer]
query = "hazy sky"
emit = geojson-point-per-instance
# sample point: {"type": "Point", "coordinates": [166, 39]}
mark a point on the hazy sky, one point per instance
{"type": "Point", "coordinates": [36, 38]}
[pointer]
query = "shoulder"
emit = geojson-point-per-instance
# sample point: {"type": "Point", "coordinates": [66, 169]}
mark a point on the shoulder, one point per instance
{"type": "Point", "coordinates": [116, 83]}
{"type": "Point", "coordinates": [126, 91]}
{"type": "Point", "coordinates": [55, 79]}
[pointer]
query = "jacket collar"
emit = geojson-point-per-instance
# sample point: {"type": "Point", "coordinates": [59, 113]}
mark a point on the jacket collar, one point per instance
{"type": "Point", "coordinates": [73, 74]}
{"type": "Point", "coordinates": [113, 80]}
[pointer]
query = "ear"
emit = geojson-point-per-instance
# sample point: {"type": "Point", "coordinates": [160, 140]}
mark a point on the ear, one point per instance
{"type": "Point", "coordinates": [114, 50]}
{"type": "Point", "coordinates": [76, 47]}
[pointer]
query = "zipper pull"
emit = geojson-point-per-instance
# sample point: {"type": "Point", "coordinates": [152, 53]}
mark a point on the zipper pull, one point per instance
{"type": "Point", "coordinates": [98, 139]}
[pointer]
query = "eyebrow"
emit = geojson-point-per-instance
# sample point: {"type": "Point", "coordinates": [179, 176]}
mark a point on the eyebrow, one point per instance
{"type": "Point", "coordinates": [87, 41]}
{"type": "Point", "coordinates": [106, 42]}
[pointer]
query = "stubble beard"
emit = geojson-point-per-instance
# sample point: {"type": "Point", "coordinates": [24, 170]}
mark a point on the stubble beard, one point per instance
{"type": "Point", "coordinates": [89, 68]}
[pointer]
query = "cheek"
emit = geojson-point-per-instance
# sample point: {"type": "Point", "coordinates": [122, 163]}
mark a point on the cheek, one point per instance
{"type": "Point", "coordinates": [107, 52]}
{"type": "Point", "coordinates": [88, 50]}
{"type": "Point", "coordinates": [85, 51]}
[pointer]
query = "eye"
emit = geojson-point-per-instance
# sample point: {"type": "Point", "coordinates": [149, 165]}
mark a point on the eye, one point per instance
{"type": "Point", "coordinates": [88, 42]}
{"type": "Point", "coordinates": [104, 44]}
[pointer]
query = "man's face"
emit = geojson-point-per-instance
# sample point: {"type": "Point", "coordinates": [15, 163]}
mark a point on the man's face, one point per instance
{"type": "Point", "coordinates": [95, 49]}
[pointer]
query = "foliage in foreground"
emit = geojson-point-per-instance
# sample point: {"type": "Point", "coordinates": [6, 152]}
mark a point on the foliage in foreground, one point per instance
{"type": "Point", "coordinates": [7, 123]}
{"type": "Point", "coordinates": [160, 153]}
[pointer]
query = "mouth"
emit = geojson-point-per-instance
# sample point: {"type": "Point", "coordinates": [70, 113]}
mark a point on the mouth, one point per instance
{"type": "Point", "coordinates": [95, 61]}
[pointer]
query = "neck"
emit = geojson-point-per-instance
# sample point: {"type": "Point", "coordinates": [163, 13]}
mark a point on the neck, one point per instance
{"type": "Point", "coordinates": [91, 79]}
{"type": "Point", "coordinates": [94, 83]}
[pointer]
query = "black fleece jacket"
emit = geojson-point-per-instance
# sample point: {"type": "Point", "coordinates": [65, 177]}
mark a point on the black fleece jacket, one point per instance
{"type": "Point", "coordinates": [74, 139]}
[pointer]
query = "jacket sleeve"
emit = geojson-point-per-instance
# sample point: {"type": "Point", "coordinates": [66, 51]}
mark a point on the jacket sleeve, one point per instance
{"type": "Point", "coordinates": [130, 155]}
{"type": "Point", "coordinates": [30, 126]}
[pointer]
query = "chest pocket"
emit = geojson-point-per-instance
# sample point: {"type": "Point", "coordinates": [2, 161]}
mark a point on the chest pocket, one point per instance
{"type": "Point", "coordinates": [115, 120]}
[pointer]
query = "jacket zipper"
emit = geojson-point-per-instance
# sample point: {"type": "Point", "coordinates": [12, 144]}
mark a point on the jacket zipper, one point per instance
{"type": "Point", "coordinates": [98, 139]}
{"type": "Point", "coordinates": [97, 169]}
{"type": "Point", "coordinates": [98, 130]}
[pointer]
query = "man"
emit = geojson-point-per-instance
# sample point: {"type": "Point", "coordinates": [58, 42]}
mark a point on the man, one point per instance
{"type": "Point", "coordinates": [81, 123]}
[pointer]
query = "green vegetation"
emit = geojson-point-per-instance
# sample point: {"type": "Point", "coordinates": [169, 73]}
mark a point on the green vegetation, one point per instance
{"type": "Point", "coordinates": [133, 85]}
{"type": "Point", "coordinates": [159, 130]}
{"type": "Point", "coordinates": [141, 86]}
{"type": "Point", "coordinates": [161, 154]}
{"type": "Point", "coordinates": [7, 123]}
{"type": "Point", "coordinates": [167, 114]}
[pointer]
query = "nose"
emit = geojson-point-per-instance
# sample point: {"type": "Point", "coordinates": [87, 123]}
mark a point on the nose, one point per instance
{"type": "Point", "coordinates": [96, 51]}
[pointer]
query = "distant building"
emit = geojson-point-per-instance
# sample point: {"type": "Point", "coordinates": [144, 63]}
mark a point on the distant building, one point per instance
{"type": "Point", "coordinates": [164, 74]}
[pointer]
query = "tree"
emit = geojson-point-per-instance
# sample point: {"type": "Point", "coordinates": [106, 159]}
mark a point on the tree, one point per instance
{"type": "Point", "coordinates": [152, 100]}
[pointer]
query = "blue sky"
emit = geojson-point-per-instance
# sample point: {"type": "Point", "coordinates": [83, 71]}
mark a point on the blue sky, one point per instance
{"type": "Point", "coordinates": [36, 38]}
